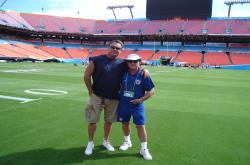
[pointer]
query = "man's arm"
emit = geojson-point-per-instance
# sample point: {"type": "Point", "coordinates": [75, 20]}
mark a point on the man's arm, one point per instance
{"type": "Point", "coordinates": [147, 95]}
{"type": "Point", "coordinates": [87, 76]}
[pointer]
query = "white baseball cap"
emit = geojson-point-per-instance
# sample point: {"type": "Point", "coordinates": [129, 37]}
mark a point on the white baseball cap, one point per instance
{"type": "Point", "coordinates": [133, 57]}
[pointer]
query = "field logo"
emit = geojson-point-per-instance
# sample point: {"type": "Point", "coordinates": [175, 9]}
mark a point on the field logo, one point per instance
{"type": "Point", "coordinates": [50, 92]}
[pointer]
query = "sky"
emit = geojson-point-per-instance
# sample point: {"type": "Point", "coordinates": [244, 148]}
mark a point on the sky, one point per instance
{"type": "Point", "coordinates": [96, 9]}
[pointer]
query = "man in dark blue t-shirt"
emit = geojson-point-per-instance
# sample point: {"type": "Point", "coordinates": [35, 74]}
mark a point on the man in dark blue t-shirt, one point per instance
{"type": "Point", "coordinates": [106, 72]}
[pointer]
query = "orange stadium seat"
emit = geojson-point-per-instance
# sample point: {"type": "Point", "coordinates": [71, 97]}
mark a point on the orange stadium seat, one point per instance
{"type": "Point", "coordinates": [98, 52]}
{"type": "Point", "coordinates": [216, 58]}
{"type": "Point", "coordinates": [163, 53]}
{"type": "Point", "coordinates": [189, 57]}
{"type": "Point", "coordinates": [78, 53]}
{"type": "Point", "coordinates": [194, 27]}
{"type": "Point", "coordinates": [125, 53]}
{"type": "Point", "coordinates": [145, 54]}
{"type": "Point", "coordinates": [153, 27]}
{"type": "Point", "coordinates": [173, 26]}
{"type": "Point", "coordinates": [240, 58]}
{"type": "Point", "coordinates": [56, 52]}
{"type": "Point", "coordinates": [7, 52]}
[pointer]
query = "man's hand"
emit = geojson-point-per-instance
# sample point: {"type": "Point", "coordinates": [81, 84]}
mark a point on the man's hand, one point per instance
{"type": "Point", "coordinates": [136, 101]}
{"type": "Point", "coordinates": [145, 73]}
{"type": "Point", "coordinates": [87, 77]}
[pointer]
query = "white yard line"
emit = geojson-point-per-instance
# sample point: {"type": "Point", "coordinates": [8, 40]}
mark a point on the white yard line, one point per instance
{"type": "Point", "coordinates": [22, 100]}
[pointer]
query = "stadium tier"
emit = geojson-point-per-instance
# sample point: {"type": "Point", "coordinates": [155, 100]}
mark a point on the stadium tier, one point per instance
{"type": "Point", "coordinates": [14, 19]}
{"type": "Point", "coordinates": [90, 26]}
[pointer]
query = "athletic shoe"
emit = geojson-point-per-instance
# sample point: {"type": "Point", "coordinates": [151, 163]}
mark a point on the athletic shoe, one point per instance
{"type": "Point", "coordinates": [89, 149]}
{"type": "Point", "coordinates": [108, 146]}
{"type": "Point", "coordinates": [145, 153]}
{"type": "Point", "coordinates": [125, 145]}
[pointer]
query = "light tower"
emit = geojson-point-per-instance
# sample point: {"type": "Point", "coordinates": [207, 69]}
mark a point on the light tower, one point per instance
{"type": "Point", "coordinates": [232, 2]}
{"type": "Point", "coordinates": [2, 4]}
{"type": "Point", "coordinates": [120, 7]}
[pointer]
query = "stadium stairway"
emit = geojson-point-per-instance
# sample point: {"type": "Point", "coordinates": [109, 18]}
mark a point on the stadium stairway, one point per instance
{"type": "Point", "coordinates": [66, 51]}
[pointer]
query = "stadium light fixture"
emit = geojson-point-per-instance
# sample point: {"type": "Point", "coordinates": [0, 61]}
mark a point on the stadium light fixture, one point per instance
{"type": "Point", "coordinates": [2, 4]}
{"type": "Point", "coordinates": [233, 2]}
{"type": "Point", "coordinates": [130, 7]}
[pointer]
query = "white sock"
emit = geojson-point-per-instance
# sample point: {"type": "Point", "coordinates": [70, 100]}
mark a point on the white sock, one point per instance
{"type": "Point", "coordinates": [144, 145]}
{"type": "Point", "coordinates": [90, 142]}
{"type": "Point", "coordinates": [127, 138]}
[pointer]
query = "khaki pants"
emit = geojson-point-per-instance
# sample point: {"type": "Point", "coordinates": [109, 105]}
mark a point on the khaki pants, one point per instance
{"type": "Point", "coordinates": [96, 105]}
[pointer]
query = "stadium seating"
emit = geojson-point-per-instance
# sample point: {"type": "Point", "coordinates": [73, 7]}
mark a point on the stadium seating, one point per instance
{"type": "Point", "coordinates": [189, 57]}
{"type": "Point", "coordinates": [145, 54]}
{"type": "Point", "coordinates": [12, 18]}
{"type": "Point", "coordinates": [216, 26]}
{"type": "Point", "coordinates": [37, 53]}
{"type": "Point", "coordinates": [78, 53]}
{"type": "Point", "coordinates": [173, 26]}
{"type": "Point", "coordinates": [80, 25]}
{"type": "Point", "coordinates": [125, 53]}
{"type": "Point", "coordinates": [56, 52]}
{"type": "Point", "coordinates": [7, 52]}
{"type": "Point", "coordinates": [216, 58]}
{"type": "Point", "coordinates": [134, 27]}
{"type": "Point", "coordinates": [240, 58]}
{"type": "Point", "coordinates": [21, 52]}
{"type": "Point", "coordinates": [153, 27]}
{"type": "Point", "coordinates": [163, 53]}
{"type": "Point", "coordinates": [59, 24]}
{"type": "Point", "coordinates": [238, 26]}
{"type": "Point", "coordinates": [194, 27]}
{"type": "Point", "coordinates": [97, 52]}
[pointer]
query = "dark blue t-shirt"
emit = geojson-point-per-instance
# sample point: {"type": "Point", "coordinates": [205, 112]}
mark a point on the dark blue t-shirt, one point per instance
{"type": "Point", "coordinates": [107, 76]}
{"type": "Point", "coordinates": [138, 85]}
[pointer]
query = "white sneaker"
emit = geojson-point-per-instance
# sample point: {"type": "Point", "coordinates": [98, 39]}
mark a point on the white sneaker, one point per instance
{"type": "Point", "coordinates": [89, 149]}
{"type": "Point", "coordinates": [145, 153]}
{"type": "Point", "coordinates": [108, 146]}
{"type": "Point", "coordinates": [125, 145]}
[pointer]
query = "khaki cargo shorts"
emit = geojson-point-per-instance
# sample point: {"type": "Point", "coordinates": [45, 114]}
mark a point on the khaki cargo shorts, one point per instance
{"type": "Point", "coordinates": [96, 105]}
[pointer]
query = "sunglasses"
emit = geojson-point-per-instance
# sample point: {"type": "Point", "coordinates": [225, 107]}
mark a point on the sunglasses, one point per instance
{"type": "Point", "coordinates": [133, 61]}
{"type": "Point", "coordinates": [115, 48]}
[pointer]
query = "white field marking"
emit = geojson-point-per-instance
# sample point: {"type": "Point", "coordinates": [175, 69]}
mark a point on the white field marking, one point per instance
{"type": "Point", "coordinates": [46, 92]}
{"type": "Point", "coordinates": [22, 100]}
{"type": "Point", "coordinates": [21, 70]}
{"type": "Point", "coordinates": [165, 71]}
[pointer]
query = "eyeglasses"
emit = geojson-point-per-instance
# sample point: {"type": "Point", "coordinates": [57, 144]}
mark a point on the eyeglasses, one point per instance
{"type": "Point", "coordinates": [115, 48]}
{"type": "Point", "coordinates": [133, 61]}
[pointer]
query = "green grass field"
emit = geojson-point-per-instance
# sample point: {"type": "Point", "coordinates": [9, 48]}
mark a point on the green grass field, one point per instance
{"type": "Point", "coordinates": [197, 117]}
